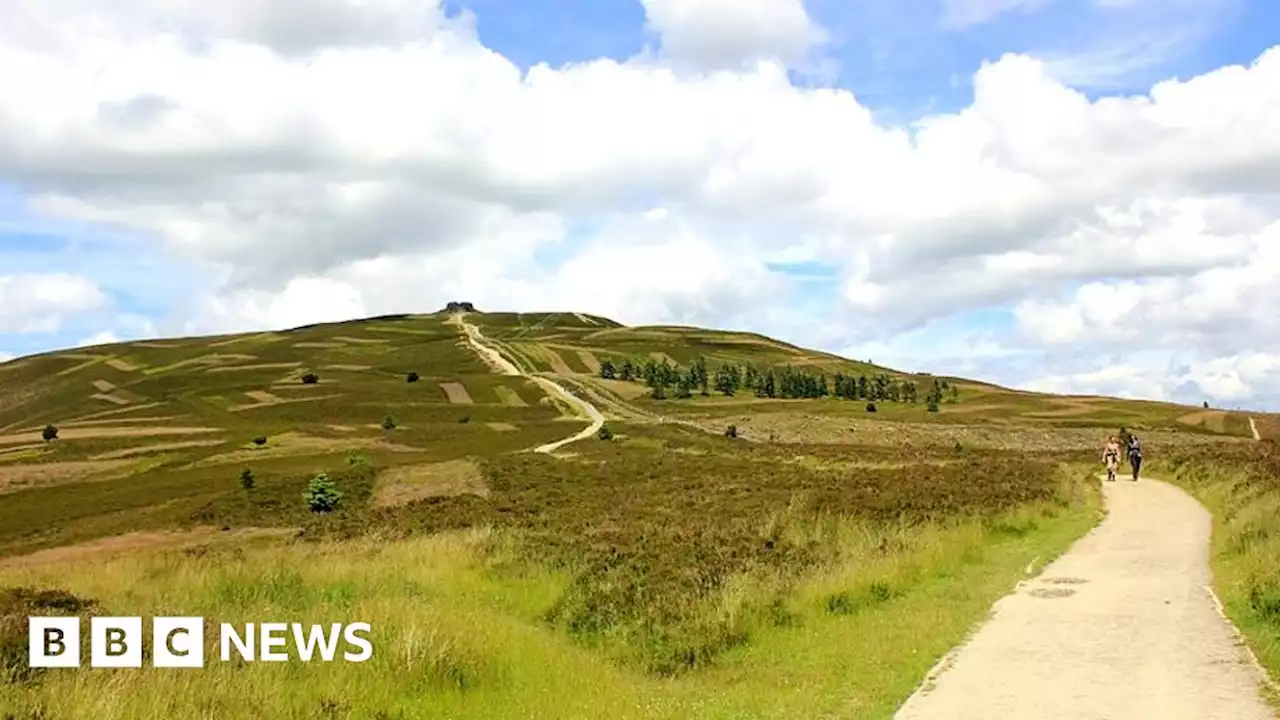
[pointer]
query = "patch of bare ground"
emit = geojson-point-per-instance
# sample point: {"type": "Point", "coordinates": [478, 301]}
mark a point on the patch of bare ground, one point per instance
{"type": "Point", "coordinates": [624, 389]}
{"type": "Point", "coordinates": [259, 366]}
{"type": "Point", "coordinates": [259, 337]}
{"type": "Point", "coordinates": [112, 413]}
{"type": "Point", "coordinates": [113, 399]}
{"type": "Point", "coordinates": [1215, 420]}
{"type": "Point", "coordinates": [104, 386]}
{"type": "Point", "coordinates": [140, 541]}
{"type": "Point", "coordinates": [456, 392]}
{"type": "Point", "coordinates": [408, 483]}
{"type": "Point", "coordinates": [94, 360]}
{"type": "Point", "coordinates": [158, 345]}
{"type": "Point", "coordinates": [319, 345]}
{"type": "Point", "coordinates": [118, 421]}
{"type": "Point", "coordinates": [20, 477]}
{"type": "Point", "coordinates": [260, 396]}
{"type": "Point", "coordinates": [160, 447]}
{"type": "Point", "coordinates": [122, 365]}
{"type": "Point", "coordinates": [509, 396]}
{"type": "Point", "coordinates": [344, 428]}
{"type": "Point", "coordinates": [362, 341]}
{"type": "Point", "coordinates": [17, 450]}
{"type": "Point", "coordinates": [352, 368]}
{"type": "Point", "coordinates": [294, 443]}
{"type": "Point", "coordinates": [502, 427]}
{"type": "Point", "coordinates": [590, 360]}
{"type": "Point", "coordinates": [88, 433]}
{"type": "Point", "coordinates": [212, 360]}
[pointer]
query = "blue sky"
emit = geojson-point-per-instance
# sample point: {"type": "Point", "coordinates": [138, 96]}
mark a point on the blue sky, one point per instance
{"type": "Point", "coordinates": [903, 60]}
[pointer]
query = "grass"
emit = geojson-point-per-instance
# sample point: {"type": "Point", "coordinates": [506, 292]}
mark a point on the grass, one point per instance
{"type": "Point", "coordinates": [1241, 487]}
{"type": "Point", "coordinates": [817, 566]}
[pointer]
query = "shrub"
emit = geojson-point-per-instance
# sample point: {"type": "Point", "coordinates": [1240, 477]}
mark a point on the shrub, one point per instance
{"type": "Point", "coordinates": [321, 495]}
{"type": "Point", "coordinates": [310, 379]}
{"type": "Point", "coordinates": [871, 407]}
{"type": "Point", "coordinates": [411, 377]}
{"type": "Point", "coordinates": [933, 406]}
{"type": "Point", "coordinates": [388, 423]}
{"type": "Point", "coordinates": [355, 459]}
{"type": "Point", "coordinates": [958, 448]}
{"type": "Point", "coordinates": [731, 431]}
{"type": "Point", "coordinates": [604, 433]}
{"type": "Point", "coordinates": [464, 419]}
{"type": "Point", "coordinates": [260, 440]}
{"type": "Point", "coordinates": [50, 433]}
{"type": "Point", "coordinates": [246, 479]}
{"type": "Point", "coordinates": [1206, 404]}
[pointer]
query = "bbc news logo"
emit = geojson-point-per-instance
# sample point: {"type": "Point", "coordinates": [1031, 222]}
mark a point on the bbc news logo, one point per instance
{"type": "Point", "coordinates": [178, 642]}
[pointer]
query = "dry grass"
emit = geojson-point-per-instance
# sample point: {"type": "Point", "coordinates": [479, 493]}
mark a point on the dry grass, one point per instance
{"type": "Point", "coordinates": [278, 401]}
{"type": "Point", "coordinates": [457, 393]}
{"type": "Point", "coordinates": [113, 413]}
{"type": "Point", "coordinates": [94, 360]}
{"type": "Point", "coordinates": [104, 386]}
{"type": "Point", "coordinates": [263, 396]}
{"type": "Point", "coordinates": [259, 366]}
{"type": "Point", "coordinates": [1215, 420]}
{"type": "Point", "coordinates": [129, 543]}
{"type": "Point", "coordinates": [160, 447]}
{"type": "Point", "coordinates": [352, 368]}
{"type": "Point", "coordinates": [361, 341]}
{"type": "Point", "coordinates": [624, 389]}
{"type": "Point", "coordinates": [117, 420]}
{"type": "Point", "coordinates": [288, 444]}
{"type": "Point", "coordinates": [114, 399]}
{"type": "Point", "coordinates": [502, 427]}
{"type": "Point", "coordinates": [661, 356]}
{"type": "Point", "coordinates": [260, 337]}
{"type": "Point", "coordinates": [19, 477]}
{"type": "Point", "coordinates": [590, 360]}
{"type": "Point", "coordinates": [509, 397]}
{"type": "Point", "coordinates": [409, 483]}
{"type": "Point", "coordinates": [122, 365]}
{"type": "Point", "coordinates": [319, 345]}
{"type": "Point", "coordinates": [88, 433]}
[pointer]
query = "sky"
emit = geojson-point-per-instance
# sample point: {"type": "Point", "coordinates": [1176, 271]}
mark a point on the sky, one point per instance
{"type": "Point", "coordinates": [1077, 196]}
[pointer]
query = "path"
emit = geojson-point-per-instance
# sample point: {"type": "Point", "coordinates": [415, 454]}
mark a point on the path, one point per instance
{"type": "Point", "coordinates": [495, 359]}
{"type": "Point", "coordinates": [1121, 626]}
{"type": "Point", "coordinates": [1253, 426]}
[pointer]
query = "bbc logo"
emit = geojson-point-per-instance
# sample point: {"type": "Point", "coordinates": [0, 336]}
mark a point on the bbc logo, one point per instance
{"type": "Point", "coordinates": [116, 642]}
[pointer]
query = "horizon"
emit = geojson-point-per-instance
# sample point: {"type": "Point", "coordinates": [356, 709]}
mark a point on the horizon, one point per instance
{"type": "Point", "coordinates": [1024, 192]}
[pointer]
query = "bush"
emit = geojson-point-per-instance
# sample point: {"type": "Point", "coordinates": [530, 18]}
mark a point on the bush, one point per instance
{"type": "Point", "coordinates": [871, 407]}
{"type": "Point", "coordinates": [246, 479]}
{"type": "Point", "coordinates": [933, 406]}
{"type": "Point", "coordinates": [388, 423]}
{"type": "Point", "coordinates": [464, 419]}
{"type": "Point", "coordinates": [50, 433]}
{"type": "Point", "coordinates": [605, 433]}
{"type": "Point", "coordinates": [310, 379]}
{"type": "Point", "coordinates": [321, 495]}
{"type": "Point", "coordinates": [355, 459]}
{"type": "Point", "coordinates": [260, 440]}
{"type": "Point", "coordinates": [411, 377]}
{"type": "Point", "coordinates": [731, 431]}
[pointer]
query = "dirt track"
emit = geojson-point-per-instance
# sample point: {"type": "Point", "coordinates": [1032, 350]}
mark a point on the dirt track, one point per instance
{"type": "Point", "coordinates": [1121, 626]}
{"type": "Point", "coordinates": [499, 363]}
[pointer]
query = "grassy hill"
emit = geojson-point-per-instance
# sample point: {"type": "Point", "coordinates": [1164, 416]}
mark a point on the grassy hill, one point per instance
{"type": "Point", "coordinates": [710, 571]}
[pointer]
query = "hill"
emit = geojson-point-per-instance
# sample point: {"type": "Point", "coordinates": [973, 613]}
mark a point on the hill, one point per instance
{"type": "Point", "coordinates": [677, 534]}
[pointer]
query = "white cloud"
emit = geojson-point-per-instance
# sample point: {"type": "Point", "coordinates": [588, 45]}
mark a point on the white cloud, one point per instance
{"type": "Point", "coordinates": [105, 337]}
{"type": "Point", "coordinates": [6, 357]}
{"type": "Point", "coordinates": [964, 13]}
{"type": "Point", "coordinates": [33, 303]}
{"type": "Point", "coordinates": [1120, 223]}
{"type": "Point", "coordinates": [728, 34]}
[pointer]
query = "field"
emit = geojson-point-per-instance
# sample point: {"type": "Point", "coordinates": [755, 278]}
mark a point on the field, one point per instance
{"type": "Point", "coordinates": [815, 565]}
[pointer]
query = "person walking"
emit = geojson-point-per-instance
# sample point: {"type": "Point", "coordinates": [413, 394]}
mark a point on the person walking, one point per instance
{"type": "Point", "coordinates": [1111, 457]}
{"type": "Point", "coordinates": [1135, 456]}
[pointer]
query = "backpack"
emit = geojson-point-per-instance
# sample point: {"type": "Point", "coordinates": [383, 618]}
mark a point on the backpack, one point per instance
{"type": "Point", "coordinates": [1134, 447]}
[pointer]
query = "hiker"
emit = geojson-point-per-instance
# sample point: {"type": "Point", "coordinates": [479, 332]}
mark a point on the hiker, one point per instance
{"type": "Point", "coordinates": [1135, 456]}
{"type": "Point", "coordinates": [1111, 457]}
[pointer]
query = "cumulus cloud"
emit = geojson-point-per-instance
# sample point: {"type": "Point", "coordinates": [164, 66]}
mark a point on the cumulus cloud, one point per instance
{"type": "Point", "coordinates": [728, 34]}
{"type": "Point", "coordinates": [267, 150]}
{"type": "Point", "coordinates": [33, 303]}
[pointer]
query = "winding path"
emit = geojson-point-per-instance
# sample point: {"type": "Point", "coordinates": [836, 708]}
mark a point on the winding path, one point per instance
{"type": "Point", "coordinates": [1253, 427]}
{"type": "Point", "coordinates": [1124, 625]}
{"type": "Point", "coordinates": [498, 362]}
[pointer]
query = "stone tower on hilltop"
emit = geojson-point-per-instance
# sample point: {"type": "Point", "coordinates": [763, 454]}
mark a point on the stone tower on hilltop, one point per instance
{"type": "Point", "coordinates": [460, 307]}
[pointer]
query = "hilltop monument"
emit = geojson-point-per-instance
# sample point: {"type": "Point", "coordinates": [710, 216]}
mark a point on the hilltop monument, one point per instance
{"type": "Point", "coordinates": [459, 307]}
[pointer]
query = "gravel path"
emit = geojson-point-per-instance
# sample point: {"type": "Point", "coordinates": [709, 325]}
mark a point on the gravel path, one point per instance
{"type": "Point", "coordinates": [1121, 626]}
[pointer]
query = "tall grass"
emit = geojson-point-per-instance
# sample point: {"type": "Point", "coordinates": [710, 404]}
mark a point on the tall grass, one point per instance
{"type": "Point", "coordinates": [461, 624]}
{"type": "Point", "coordinates": [1240, 485]}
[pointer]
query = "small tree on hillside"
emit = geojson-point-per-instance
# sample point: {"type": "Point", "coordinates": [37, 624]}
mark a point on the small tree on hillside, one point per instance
{"type": "Point", "coordinates": [605, 433]}
{"type": "Point", "coordinates": [412, 377]}
{"type": "Point", "coordinates": [310, 379]}
{"type": "Point", "coordinates": [321, 495]}
{"type": "Point", "coordinates": [388, 423]}
{"type": "Point", "coordinates": [260, 440]}
{"type": "Point", "coordinates": [50, 433]}
{"type": "Point", "coordinates": [731, 431]}
{"type": "Point", "coordinates": [246, 479]}
{"type": "Point", "coordinates": [1206, 404]}
{"type": "Point", "coordinates": [607, 370]}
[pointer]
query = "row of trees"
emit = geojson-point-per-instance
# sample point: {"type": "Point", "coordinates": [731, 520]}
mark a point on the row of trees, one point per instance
{"type": "Point", "coordinates": [766, 382]}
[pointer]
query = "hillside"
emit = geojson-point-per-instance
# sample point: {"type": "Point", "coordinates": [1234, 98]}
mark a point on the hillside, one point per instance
{"type": "Point", "coordinates": [489, 476]}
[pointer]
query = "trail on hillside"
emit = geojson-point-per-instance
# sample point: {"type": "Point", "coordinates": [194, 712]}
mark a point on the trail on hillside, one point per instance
{"type": "Point", "coordinates": [1124, 625]}
{"type": "Point", "coordinates": [496, 360]}
{"type": "Point", "coordinates": [1253, 427]}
